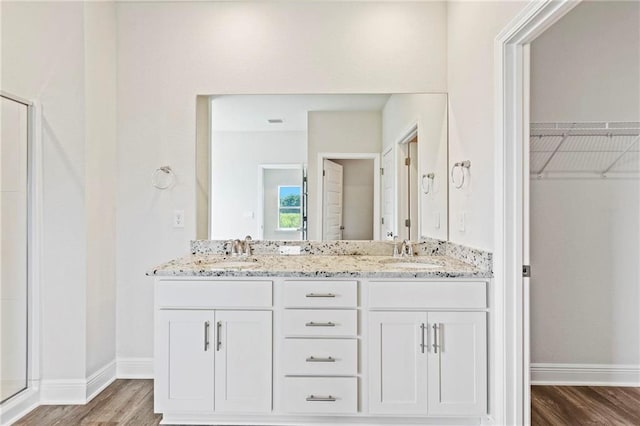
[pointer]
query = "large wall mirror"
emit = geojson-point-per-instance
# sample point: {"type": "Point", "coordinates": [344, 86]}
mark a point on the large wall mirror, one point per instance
{"type": "Point", "coordinates": [322, 167]}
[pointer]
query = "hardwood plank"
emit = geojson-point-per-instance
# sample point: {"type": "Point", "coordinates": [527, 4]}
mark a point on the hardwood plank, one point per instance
{"type": "Point", "coordinates": [584, 405]}
{"type": "Point", "coordinates": [130, 402]}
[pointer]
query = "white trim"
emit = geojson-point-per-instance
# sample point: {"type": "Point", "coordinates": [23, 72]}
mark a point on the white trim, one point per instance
{"type": "Point", "coordinates": [134, 368]}
{"type": "Point", "coordinates": [99, 380]}
{"type": "Point", "coordinates": [260, 209]}
{"type": "Point", "coordinates": [511, 396]}
{"type": "Point", "coordinates": [20, 405]}
{"type": "Point", "coordinates": [375, 156]}
{"type": "Point", "coordinates": [585, 374]}
{"type": "Point", "coordinates": [77, 391]}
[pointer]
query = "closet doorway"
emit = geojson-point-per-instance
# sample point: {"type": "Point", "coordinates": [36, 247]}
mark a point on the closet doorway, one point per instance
{"type": "Point", "coordinates": [584, 215]}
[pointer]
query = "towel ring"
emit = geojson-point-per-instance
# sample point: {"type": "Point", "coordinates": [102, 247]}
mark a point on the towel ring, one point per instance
{"type": "Point", "coordinates": [462, 166]}
{"type": "Point", "coordinates": [430, 177]}
{"type": "Point", "coordinates": [163, 177]}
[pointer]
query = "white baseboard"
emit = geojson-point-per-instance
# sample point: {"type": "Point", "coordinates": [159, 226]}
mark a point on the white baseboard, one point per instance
{"type": "Point", "coordinates": [77, 392]}
{"type": "Point", "coordinates": [135, 368]}
{"type": "Point", "coordinates": [99, 380]}
{"type": "Point", "coordinates": [585, 374]}
{"type": "Point", "coordinates": [20, 405]}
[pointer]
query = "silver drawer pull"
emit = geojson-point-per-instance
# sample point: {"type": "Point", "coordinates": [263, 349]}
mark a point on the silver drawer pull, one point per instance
{"type": "Point", "coordinates": [314, 359]}
{"type": "Point", "coordinates": [313, 398]}
{"type": "Point", "coordinates": [320, 295]}
{"type": "Point", "coordinates": [320, 324]}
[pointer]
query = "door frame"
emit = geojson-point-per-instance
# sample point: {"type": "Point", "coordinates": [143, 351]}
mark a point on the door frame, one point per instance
{"type": "Point", "coordinates": [512, 396]}
{"type": "Point", "coordinates": [260, 209]}
{"type": "Point", "coordinates": [26, 400]}
{"type": "Point", "coordinates": [375, 156]}
{"type": "Point", "coordinates": [391, 150]}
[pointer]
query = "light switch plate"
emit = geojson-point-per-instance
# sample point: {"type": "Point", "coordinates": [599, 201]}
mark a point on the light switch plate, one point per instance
{"type": "Point", "coordinates": [178, 218]}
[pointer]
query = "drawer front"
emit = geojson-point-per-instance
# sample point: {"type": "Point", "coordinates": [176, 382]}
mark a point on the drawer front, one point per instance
{"type": "Point", "coordinates": [318, 357]}
{"type": "Point", "coordinates": [321, 395]}
{"type": "Point", "coordinates": [320, 323]}
{"type": "Point", "coordinates": [320, 294]}
{"type": "Point", "coordinates": [428, 294]}
{"type": "Point", "coordinates": [213, 294]}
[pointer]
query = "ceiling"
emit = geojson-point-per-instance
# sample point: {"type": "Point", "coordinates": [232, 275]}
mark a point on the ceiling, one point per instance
{"type": "Point", "coordinates": [250, 113]}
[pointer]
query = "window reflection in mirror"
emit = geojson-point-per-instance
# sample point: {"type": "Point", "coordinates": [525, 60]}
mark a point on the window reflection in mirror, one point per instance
{"type": "Point", "coordinates": [273, 159]}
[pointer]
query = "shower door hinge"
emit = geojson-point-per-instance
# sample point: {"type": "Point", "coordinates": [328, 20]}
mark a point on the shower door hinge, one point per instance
{"type": "Point", "coordinates": [407, 161]}
{"type": "Point", "coordinates": [324, 172]}
{"type": "Point", "coordinates": [526, 271]}
{"type": "Point", "coordinates": [407, 223]}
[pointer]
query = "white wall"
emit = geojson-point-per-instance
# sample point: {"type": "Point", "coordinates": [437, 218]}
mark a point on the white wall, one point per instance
{"type": "Point", "coordinates": [595, 53]}
{"type": "Point", "coordinates": [585, 242]}
{"type": "Point", "coordinates": [472, 28]}
{"type": "Point", "coordinates": [235, 176]}
{"type": "Point", "coordinates": [101, 177]}
{"type": "Point", "coordinates": [171, 51]}
{"type": "Point", "coordinates": [429, 113]}
{"type": "Point", "coordinates": [334, 132]}
{"type": "Point", "coordinates": [357, 204]}
{"type": "Point", "coordinates": [584, 256]}
{"type": "Point", "coordinates": [61, 56]}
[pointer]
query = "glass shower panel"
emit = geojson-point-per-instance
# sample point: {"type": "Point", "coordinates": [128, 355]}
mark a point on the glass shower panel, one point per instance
{"type": "Point", "coordinates": [13, 247]}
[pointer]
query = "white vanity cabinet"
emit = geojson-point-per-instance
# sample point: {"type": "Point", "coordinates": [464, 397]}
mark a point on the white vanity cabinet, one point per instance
{"type": "Point", "coordinates": [217, 359]}
{"type": "Point", "coordinates": [334, 350]}
{"type": "Point", "coordinates": [424, 359]}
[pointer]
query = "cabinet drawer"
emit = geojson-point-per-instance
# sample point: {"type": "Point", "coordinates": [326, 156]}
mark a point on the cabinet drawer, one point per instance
{"type": "Point", "coordinates": [328, 357]}
{"type": "Point", "coordinates": [321, 395]}
{"type": "Point", "coordinates": [213, 294]}
{"type": "Point", "coordinates": [318, 323]}
{"type": "Point", "coordinates": [320, 294]}
{"type": "Point", "coordinates": [428, 294]}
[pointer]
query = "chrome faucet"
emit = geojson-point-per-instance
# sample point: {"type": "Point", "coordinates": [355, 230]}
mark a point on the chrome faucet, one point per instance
{"type": "Point", "coordinates": [406, 249]}
{"type": "Point", "coordinates": [241, 248]}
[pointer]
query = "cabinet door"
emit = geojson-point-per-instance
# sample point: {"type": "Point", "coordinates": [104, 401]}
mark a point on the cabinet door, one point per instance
{"type": "Point", "coordinates": [184, 361]}
{"type": "Point", "coordinates": [398, 363]}
{"type": "Point", "coordinates": [457, 363]}
{"type": "Point", "coordinates": [243, 361]}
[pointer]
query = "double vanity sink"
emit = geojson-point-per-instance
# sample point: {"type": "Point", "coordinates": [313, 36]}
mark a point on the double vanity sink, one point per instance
{"type": "Point", "coordinates": [342, 334]}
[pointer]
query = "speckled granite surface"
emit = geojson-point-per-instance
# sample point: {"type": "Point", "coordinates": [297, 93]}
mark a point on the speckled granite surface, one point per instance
{"type": "Point", "coordinates": [355, 266]}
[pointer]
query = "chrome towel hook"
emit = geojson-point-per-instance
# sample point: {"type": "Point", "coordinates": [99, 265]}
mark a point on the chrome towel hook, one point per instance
{"type": "Point", "coordinates": [163, 177]}
{"type": "Point", "coordinates": [463, 165]}
{"type": "Point", "coordinates": [429, 188]}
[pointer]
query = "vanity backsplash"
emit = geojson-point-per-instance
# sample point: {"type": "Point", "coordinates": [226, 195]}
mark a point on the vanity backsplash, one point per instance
{"type": "Point", "coordinates": [426, 247]}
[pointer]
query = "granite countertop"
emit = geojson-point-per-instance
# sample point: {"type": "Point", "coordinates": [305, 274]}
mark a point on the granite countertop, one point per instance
{"type": "Point", "coordinates": [310, 266]}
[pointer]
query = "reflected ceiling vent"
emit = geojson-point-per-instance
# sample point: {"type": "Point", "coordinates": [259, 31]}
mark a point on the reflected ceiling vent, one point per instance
{"type": "Point", "coordinates": [275, 121]}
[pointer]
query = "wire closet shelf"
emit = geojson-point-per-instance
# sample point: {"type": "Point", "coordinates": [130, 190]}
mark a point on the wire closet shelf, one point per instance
{"type": "Point", "coordinates": [585, 150]}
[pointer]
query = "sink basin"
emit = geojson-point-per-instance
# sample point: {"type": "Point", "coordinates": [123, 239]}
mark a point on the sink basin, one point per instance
{"type": "Point", "coordinates": [410, 265]}
{"type": "Point", "coordinates": [233, 265]}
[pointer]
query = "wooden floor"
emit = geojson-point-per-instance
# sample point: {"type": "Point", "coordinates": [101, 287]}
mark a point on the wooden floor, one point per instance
{"type": "Point", "coordinates": [124, 402]}
{"type": "Point", "coordinates": [130, 402]}
{"type": "Point", "coordinates": [585, 405]}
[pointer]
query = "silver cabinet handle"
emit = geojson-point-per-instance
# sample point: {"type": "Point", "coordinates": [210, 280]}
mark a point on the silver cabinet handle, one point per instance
{"type": "Point", "coordinates": [206, 336]}
{"type": "Point", "coordinates": [436, 338]}
{"type": "Point", "coordinates": [327, 359]}
{"type": "Point", "coordinates": [314, 398]}
{"type": "Point", "coordinates": [320, 295]}
{"type": "Point", "coordinates": [422, 345]}
{"type": "Point", "coordinates": [218, 340]}
{"type": "Point", "coordinates": [320, 324]}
